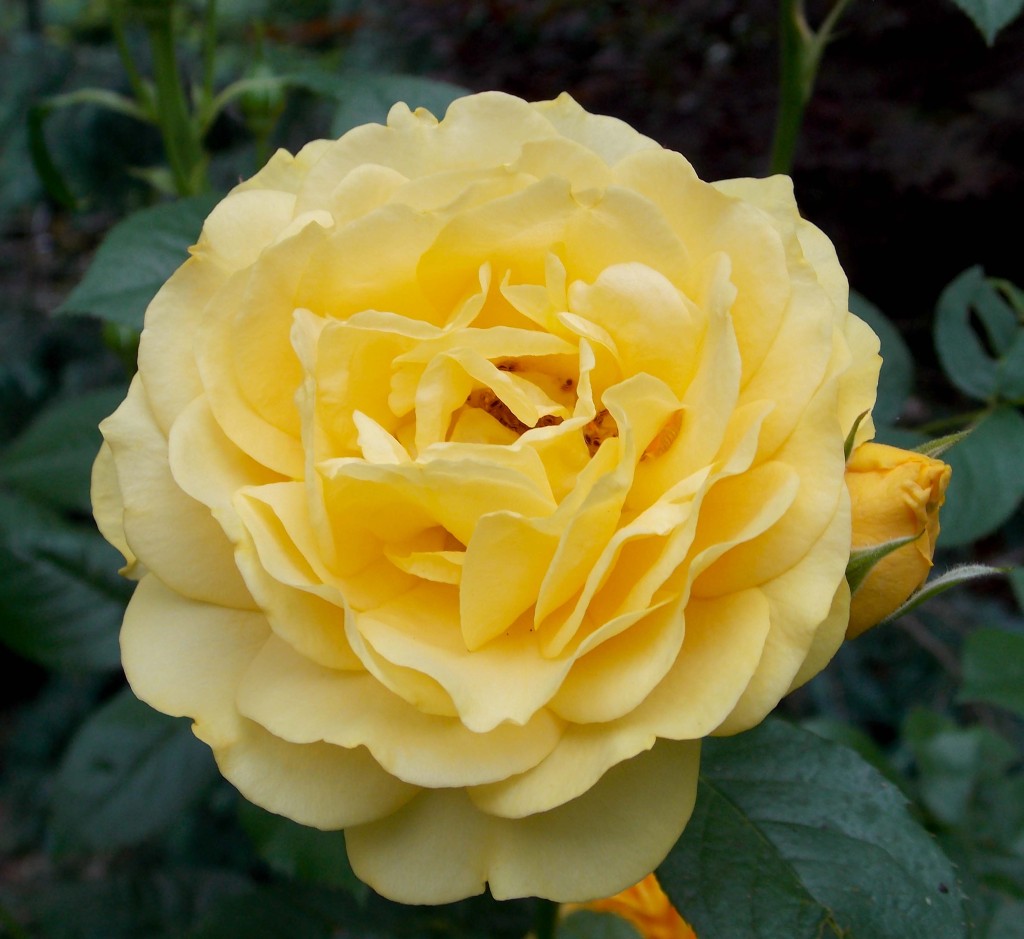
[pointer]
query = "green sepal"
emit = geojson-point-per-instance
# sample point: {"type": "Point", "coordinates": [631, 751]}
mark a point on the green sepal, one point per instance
{"type": "Point", "coordinates": [862, 560]}
{"type": "Point", "coordinates": [962, 574]}
{"type": "Point", "coordinates": [935, 448]}
{"type": "Point", "coordinates": [848, 445]}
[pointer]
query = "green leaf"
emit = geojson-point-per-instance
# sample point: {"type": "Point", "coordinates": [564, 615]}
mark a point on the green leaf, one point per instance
{"type": "Point", "coordinates": [300, 853]}
{"type": "Point", "coordinates": [366, 97]}
{"type": "Point", "coordinates": [140, 902]}
{"type": "Point", "coordinates": [990, 16]}
{"type": "Point", "coordinates": [136, 258]}
{"type": "Point", "coordinates": [51, 461]}
{"type": "Point", "coordinates": [61, 600]}
{"type": "Point", "coordinates": [951, 760]}
{"type": "Point", "coordinates": [128, 774]}
{"type": "Point", "coordinates": [32, 67]}
{"type": "Point", "coordinates": [897, 376]}
{"type": "Point", "coordinates": [987, 484]}
{"type": "Point", "coordinates": [273, 911]}
{"type": "Point", "coordinates": [587, 924]}
{"type": "Point", "coordinates": [795, 837]}
{"type": "Point", "coordinates": [994, 669]}
{"type": "Point", "coordinates": [963, 353]}
{"type": "Point", "coordinates": [857, 740]}
{"type": "Point", "coordinates": [863, 560]}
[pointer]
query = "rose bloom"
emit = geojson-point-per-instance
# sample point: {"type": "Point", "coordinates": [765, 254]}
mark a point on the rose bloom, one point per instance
{"type": "Point", "coordinates": [894, 494]}
{"type": "Point", "coordinates": [474, 471]}
{"type": "Point", "coordinates": [646, 907]}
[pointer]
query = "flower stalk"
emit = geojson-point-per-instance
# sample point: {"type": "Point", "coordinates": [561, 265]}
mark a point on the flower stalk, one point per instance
{"type": "Point", "coordinates": [181, 140]}
{"type": "Point", "coordinates": [800, 52]}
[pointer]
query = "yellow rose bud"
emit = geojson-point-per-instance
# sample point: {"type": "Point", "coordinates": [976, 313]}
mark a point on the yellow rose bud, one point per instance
{"type": "Point", "coordinates": [894, 494]}
{"type": "Point", "coordinates": [647, 908]}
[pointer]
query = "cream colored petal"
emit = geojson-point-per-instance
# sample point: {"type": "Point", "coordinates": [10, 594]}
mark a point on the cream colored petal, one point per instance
{"type": "Point", "coordinates": [589, 518]}
{"type": "Point", "coordinates": [828, 637]}
{"type": "Point", "coordinates": [185, 658]}
{"type": "Point", "coordinates": [563, 157]}
{"type": "Point", "coordinates": [514, 233]}
{"type": "Point", "coordinates": [242, 224]}
{"type": "Point", "coordinates": [583, 755]}
{"type": "Point", "coordinates": [608, 137]}
{"type": "Point", "coordinates": [815, 451]}
{"type": "Point", "coordinates": [505, 564]}
{"type": "Point", "coordinates": [315, 784]}
{"type": "Point", "coordinates": [299, 701]}
{"type": "Point", "coordinates": [654, 330]}
{"type": "Point", "coordinates": [108, 506]}
{"type": "Point", "coordinates": [858, 385]}
{"type": "Point", "coordinates": [277, 448]}
{"type": "Point", "coordinates": [209, 467]}
{"type": "Point", "coordinates": [806, 326]}
{"type": "Point", "coordinates": [453, 487]}
{"type": "Point", "coordinates": [821, 254]}
{"type": "Point", "coordinates": [166, 358]}
{"type": "Point", "coordinates": [278, 559]}
{"type": "Point", "coordinates": [615, 673]}
{"type": "Point", "coordinates": [376, 444]}
{"type": "Point", "coordinates": [170, 533]}
{"type": "Point", "coordinates": [710, 222]}
{"type": "Point", "coordinates": [371, 264]}
{"type": "Point", "coordinates": [347, 364]}
{"type": "Point", "coordinates": [712, 419]}
{"type": "Point", "coordinates": [505, 680]}
{"type": "Point", "coordinates": [478, 130]}
{"type": "Point", "coordinates": [803, 601]}
{"type": "Point", "coordinates": [364, 189]}
{"type": "Point", "coordinates": [735, 512]}
{"type": "Point", "coordinates": [722, 650]}
{"type": "Point", "coordinates": [440, 847]}
{"type": "Point", "coordinates": [622, 227]}
{"type": "Point", "coordinates": [284, 171]}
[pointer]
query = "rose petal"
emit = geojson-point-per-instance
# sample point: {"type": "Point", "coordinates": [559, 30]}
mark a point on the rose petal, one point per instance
{"type": "Point", "coordinates": [440, 847]}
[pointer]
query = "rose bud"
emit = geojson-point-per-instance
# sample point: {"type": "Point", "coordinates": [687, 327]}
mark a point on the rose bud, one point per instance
{"type": "Point", "coordinates": [894, 494]}
{"type": "Point", "coordinates": [645, 906]}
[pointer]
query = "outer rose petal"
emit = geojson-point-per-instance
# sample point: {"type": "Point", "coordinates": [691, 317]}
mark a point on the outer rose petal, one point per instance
{"type": "Point", "coordinates": [171, 534]}
{"type": "Point", "coordinates": [440, 847]}
{"type": "Point", "coordinates": [185, 658]}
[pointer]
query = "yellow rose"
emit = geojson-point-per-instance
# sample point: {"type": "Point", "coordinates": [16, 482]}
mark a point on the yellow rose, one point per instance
{"type": "Point", "coordinates": [647, 908]}
{"type": "Point", "coordinates": [894, 494]}
{"type": "Point", "coordinates": [474, 471]}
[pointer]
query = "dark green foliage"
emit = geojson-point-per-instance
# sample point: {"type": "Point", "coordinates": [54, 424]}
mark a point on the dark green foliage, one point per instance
{"type": "Point", "coordinates": [796, 836]}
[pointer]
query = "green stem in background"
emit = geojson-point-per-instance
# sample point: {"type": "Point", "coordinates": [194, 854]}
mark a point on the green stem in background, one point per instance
{"type": "Point", "coordinates": [140, 89]}
{"type": "Point", "coordinates": [181, 139]}
{"type": "Point", "coordinates": [209, 49]}
{"type": "Point", "coordinates": [943, 424]}
{"type": "Point", "coordinates": [545, 921]}
{"type": "Point", "coordinates": [800, 52]}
